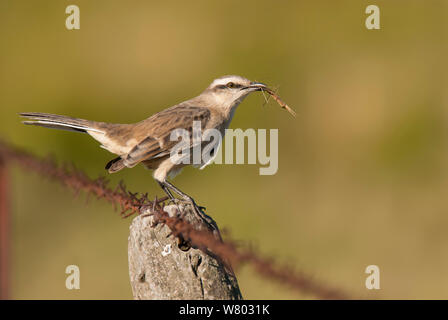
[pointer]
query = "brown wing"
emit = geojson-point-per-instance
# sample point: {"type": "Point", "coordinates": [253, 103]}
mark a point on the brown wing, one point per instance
{"type": "Point", "coordinates": [157, 143]}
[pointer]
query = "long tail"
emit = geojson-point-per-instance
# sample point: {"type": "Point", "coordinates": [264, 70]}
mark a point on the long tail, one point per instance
{"type": "Point", "coordinates": [54, 121]}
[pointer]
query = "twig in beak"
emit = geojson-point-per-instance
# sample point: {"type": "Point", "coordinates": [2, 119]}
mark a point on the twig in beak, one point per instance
{"type": "Point", "coordinates": [265, 99]}
{"type": "Point", "coordinates": [279, 101]}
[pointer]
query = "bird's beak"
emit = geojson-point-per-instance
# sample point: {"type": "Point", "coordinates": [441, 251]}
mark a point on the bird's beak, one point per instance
{"type": "Point", "coordinates": [256, 86]}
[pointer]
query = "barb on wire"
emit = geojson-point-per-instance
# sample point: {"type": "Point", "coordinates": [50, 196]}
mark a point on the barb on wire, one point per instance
{"type": "Point", "coordinates": [130, 203]}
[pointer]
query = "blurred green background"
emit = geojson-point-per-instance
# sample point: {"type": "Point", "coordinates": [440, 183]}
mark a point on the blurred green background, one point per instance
{"type": "Point", "coordinates": [363, 168]}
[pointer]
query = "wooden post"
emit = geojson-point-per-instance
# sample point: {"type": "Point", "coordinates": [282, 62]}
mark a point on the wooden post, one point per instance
{"type": "Point", "coordinates": [160, 267]}
{"type": "Point", "coordinates": [4, 233]}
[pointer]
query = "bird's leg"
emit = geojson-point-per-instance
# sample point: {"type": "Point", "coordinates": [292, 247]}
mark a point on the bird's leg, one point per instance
{"type": "Point", "coordinates": [182, 194]}
{"type": "Point", "coordinates": [167, 191]}
{"type": "Point", "coordinates": [198, 209]}
{"type": "Point", "coordinates": [170, 194]}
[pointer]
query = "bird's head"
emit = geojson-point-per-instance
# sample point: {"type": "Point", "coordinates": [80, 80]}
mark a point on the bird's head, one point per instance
{"type": "Point", "coordinates": [228, 91]}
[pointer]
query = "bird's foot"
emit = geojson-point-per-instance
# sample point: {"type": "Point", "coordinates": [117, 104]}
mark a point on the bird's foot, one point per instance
{"type": "Point", "coordinates": [199, 212]}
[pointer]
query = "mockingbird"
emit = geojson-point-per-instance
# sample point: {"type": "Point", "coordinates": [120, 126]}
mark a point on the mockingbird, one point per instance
{"type": "Point", "coordinates": [148, 141]}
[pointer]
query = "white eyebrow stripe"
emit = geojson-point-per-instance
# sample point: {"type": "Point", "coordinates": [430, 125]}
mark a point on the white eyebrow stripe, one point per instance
{"type": "Point", "coordinates": [224, 81]}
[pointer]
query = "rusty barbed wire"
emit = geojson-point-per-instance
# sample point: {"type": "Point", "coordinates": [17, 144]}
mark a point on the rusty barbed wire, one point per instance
{"type": "Point", "coordinates": [75, 179]}
{"type": "Point", "coordinates": [136, 203]}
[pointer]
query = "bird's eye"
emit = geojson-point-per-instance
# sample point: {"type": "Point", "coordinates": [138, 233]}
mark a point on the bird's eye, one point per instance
{"type": "Point", "coordinates": [230, 85]}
